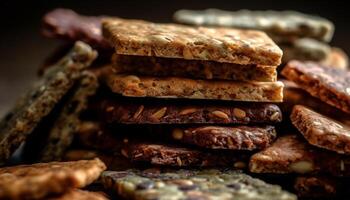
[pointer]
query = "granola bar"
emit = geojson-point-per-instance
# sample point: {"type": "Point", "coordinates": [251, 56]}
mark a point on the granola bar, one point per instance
{"type": "Point", "coordinates": [235, 138]}
{"type": "Point", "coordinates": [190, 184]}
{"type": "Point", "coordinates": [328, 84]}
{"type": "Point", "coordinates": [175, 87]}
{"type": "Point", "coordinates": [142, 111]}
{"type": "Point", "coordinates": [337, 58]}
{"type": "Point", "coordinates": [77, 194]}
{"type": "Point", "coordinates": [136, 37]}
{"type": "Point", "coordinates": [196, 69]}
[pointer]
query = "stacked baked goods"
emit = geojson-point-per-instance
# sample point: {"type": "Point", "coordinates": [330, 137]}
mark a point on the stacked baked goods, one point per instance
{"type": "Point", "coordinates": [183, 112]}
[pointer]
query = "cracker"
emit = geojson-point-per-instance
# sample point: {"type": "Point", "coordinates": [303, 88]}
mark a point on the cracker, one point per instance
{"type": "Point", "coordinates": [287, 24]}
{"type": "Point", "coordinates": [169, 155]}
{"type": "Point", "coordinates": [320, 130]}
{"type": "Point", "coordinates": [234, 138]}
{"type": "Point", "coordinates": [292, 154]}
{"type": "Point", "coordinates": [77, 194]}
{"type": "Point", "coordinates": [136, 37]}
{"type": "Point", "coordinates": [68, 25]}
{"type": "Point", "coordinates": [175, 87]}
{"type": "Point", "coordinates": [39, 180]}
{"type": "Point", "coordinates": [190, 184]}
{"type": "Point", "coordinates": [154, 111]}
{"type": "Point", "coordinates": [328, 84]}
{"type": "Point", "coordinates": [196, 69]}
{"type": "Point", "coordinates": [42, 98]}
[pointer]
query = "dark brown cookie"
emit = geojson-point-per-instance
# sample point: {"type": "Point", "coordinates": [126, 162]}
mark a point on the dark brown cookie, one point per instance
{"type": "Point", "coordinates": [235, 138]}
{"type": "Point", "coordinates": [141, 111]}
{"type": "Point", "coordinates": [292, 154]}
{"type": "Point", "coordinates": [166, 155]}
{"type": "Point", "coordinates": [68, 25]}
{"type": "Point", "coordinates": [331, 85]}
{"type": "Point", "coordinates": [196, 69]}
{"type": "Point", "coordinates": [316, 187]}
{"type": "Point", "coordinates": [320, 130]}
{"type": "Point", "coordinates": [42, 98]}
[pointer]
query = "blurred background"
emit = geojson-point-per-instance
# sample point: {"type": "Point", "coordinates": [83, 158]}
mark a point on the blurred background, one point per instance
{"type": "Point", "coordinates": [23, 49]}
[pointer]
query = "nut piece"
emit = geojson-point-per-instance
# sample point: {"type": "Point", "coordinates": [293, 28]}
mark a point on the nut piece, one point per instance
{"type": "Point", "coordinates": [110, 109]}
{"type": "Point", "coordinates": [124, 153]}
{"type": "Point", "coordinates": [220, 114]}
{"type": "Point", "coordinates": [239, 113]}
{"type": "Point", "coordinates": [138, 112]}
{"type": "Point", "coordinates": [188, 111]}
{"type": "Point", "coordinates": [160, 113]}
{"type": "Point", "coordinates": [177, 134]}
{"type": "Point", "coordinates": [302, 167]}
{"type": "Point", "coordinates": [274, 116]}
{"type": "Point", "coordinates": [132, 79]}
{"type": "Point", "coordinates": [239, 165]}
{"type": "Point", "coordinates": [179, 162]}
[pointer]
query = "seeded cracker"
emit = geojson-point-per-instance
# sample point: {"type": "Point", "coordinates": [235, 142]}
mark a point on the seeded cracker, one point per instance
{"type": "Point", "coordinates": [142, 111]}
{"type": "Point", "coordinates": [190, 184]}
{"type": "Point", "coordinates": [62, 132]}
{"type": "Point", "coordinates": [292, 154]}
{"type": "Point", "coordinates": [235, 138]}
{"type": "Point", "coordinates": [39, 180]}
{"type": "Point", "coordinates": [328, 84]}
{"type": "Point", "coordinates": [195, 69]}
{"type": "Point", "coordinates": [169, 155]}
{"type": "Point", "coordinates": [283, 24]}
{"type": "Point", "coordinates": [41, 99]}
{"type": "Point", "coordinates": [136, 37]}
{"type": "Point", "coordinates": [320, 130]}
{"type": "Point", "coordinates": [175, 87]}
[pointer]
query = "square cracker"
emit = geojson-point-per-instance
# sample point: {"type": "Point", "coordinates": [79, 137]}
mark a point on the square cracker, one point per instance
{"type": "Point", "coordinates": [136, 37]}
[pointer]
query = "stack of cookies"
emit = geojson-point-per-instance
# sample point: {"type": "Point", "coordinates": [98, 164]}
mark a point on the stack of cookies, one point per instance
{"type": "Point", "coordinates": [300, 36]}
{"type": "Point", "coordinates": [212, 89]}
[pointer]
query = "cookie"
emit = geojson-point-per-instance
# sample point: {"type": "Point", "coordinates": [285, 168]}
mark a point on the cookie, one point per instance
{"type": "Point", "coordinates": [154, 111]}
{"type": "Point", "coordinates": [113, 161]}
{"type": "Point", "coordinates": [337, 58]}
{"type": "Point", "coordinates": [42, 98]}
{"type": "Point", "coordinates": [328, 84]}
{"type": "Point", "coordinates": [59, 136]}
{"type": "Point", "coordinates": [234, 138]}
{"type": "Point", "coordinates": [39, 180]}
{"type": "Point", "coordinates": [168, 155]}
{"type": "Point", "coordinates": [136, 37]}
{"type": "Point", "coordinates": [190, 184]}
{"type": "Point", "coordinates": [316, 187]}
{"type": "Point", "coordinates": [292, 154]}
{"type": "Point", "coordinates": [77, 194]}
{"type": "Point", "coordinates": [320, 130]}
{"type": "Point", "coordinates": [68, 25]}
{"type": "Point", "coordinates": [196, 69]}
{"type": "Point", "coordinates": [285, 24]}
{"type": "Point", "coordinates": [175, 87]}
{"type": "Point", "coordinates": [305, 49]}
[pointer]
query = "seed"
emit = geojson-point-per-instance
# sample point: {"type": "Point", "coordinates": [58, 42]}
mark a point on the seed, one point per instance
{"type": "Point", "coordinates": [133, 79]}
{"type": "Point", "coordinates": [179, 162]}
{"type": "Point", "coordinates": [302, 167]}
{"type": "Point", "coordinates": [110, 109]}
{"type": "Point", "coordinates": [220, 114]}
{"type": "Point", "coordinates": [239, 113]}
{"type": "Point", "coordinates": [177, 134]}
{"type": "Point", "coordinates": [160, 113]}
{"type": "Point", "coordinates": [274, 116]}
{"type": "Point", "coordinates": [138, 112]}
{"type": "Point", "coordinates": [188, 111]}
{"type": "Point", "coordinates": [342, 165]}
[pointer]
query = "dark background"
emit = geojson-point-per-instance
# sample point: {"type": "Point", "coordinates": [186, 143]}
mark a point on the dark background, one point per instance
{"type": "Point", "coordinates": [22, 49]}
